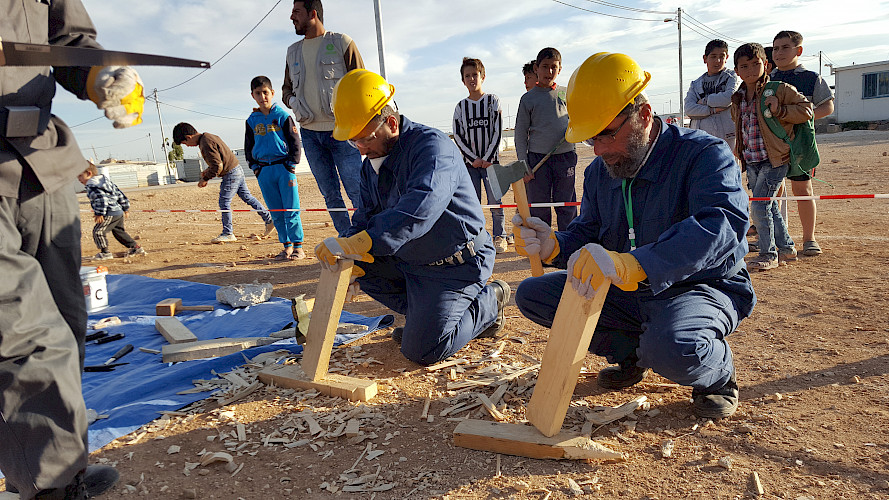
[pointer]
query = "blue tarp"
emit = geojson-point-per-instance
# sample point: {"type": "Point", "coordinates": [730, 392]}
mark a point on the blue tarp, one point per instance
{"type": "Point", "coordinates": [132, 394]}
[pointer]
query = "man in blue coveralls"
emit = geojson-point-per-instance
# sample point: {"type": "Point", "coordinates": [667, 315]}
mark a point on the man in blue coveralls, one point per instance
{"type": "Point", "coordinates": [419, 231]}
{"type": "Point", "coordinates": [663, 216]}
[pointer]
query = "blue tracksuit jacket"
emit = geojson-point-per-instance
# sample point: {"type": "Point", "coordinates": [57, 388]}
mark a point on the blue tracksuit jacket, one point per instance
{"type": "Point", "coordinates": [690, 215]}
{"type": "Point", "coordinates": [271, 138]}
{"type": "Point", "coordinates": [422, 206]}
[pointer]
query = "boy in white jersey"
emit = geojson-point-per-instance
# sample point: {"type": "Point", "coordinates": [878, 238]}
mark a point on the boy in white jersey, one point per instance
{"type": "Point", "coordinates": [477, 129]}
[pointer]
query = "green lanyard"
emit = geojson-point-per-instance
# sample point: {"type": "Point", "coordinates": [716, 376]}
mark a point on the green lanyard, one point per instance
{"type": "Point", "coordinates": [628, 207]}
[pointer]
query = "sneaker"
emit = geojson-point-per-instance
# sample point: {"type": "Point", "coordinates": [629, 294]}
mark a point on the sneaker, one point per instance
{"type": "Point", "coordinates": [811, 248]}
{"type": "Point", "coordinates": [397, 334]}
{"type": "Point", "coordinates": [719, 403]}
{"type": "Point", "coordinates": [135, 251]}
{"type": "Point", "coordinates": [222, 238]}
{"type": "Point", "coordinates": [500, 244]}
{"type": "Point", "coordinates": [510, 239]}
{"type": "Point", "coordinates": [752, 247]}
{"type": "Point", "coordinates": [501, 291]}
{"type": "Point", "coordinates": [786, 254]}
{"type": "Point", "coordinates": [623, 375]}
{"type": "Point", "coordinates": [762, 263]}
{"type": "Point", "coordinates": [269, 227]}
{"type": "Point", "coordinates": [103, 256]}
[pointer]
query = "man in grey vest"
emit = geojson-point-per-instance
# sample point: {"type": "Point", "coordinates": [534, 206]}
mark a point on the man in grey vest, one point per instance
{"type": "Point", "coordinates": [314, 65]}
{"type": "Point", "coordinates": [43, 423]}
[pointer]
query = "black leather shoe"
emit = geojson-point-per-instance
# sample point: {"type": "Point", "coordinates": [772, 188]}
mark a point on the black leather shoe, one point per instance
{"type": "Point", "coordinates": [623, 375]}
{"type": "Point", "coordinates": [719, 403]}
{"type": "Point", "coordinates": [501, 291]}
{"type": "Point", "coordinates": [397, 333]}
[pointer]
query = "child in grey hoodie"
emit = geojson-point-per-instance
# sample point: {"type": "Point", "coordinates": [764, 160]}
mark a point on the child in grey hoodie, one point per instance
{"type": "Point", "coordinates": [110, 207]}
{"type": "Point", "coordinates": [710, 96]}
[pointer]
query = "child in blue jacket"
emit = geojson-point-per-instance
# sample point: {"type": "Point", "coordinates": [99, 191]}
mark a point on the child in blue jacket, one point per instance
{"type": "Point", "coordinates": [272, 147]}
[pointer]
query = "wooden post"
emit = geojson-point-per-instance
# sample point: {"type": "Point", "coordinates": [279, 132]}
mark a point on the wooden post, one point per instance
{"type": "Point", "coordinates": [329, 299]}
{"type": "Point", "coordinates": [566, 349]}
{"type": "Point", "coordinates": [521, 200]}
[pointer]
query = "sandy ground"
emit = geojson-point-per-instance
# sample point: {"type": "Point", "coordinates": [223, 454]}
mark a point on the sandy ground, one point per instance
{"type": "Point", "coordinates": [812, 364]}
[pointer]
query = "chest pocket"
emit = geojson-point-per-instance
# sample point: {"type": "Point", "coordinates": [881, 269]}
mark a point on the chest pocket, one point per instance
{"type": "Point", "coordinates": [332, 65]}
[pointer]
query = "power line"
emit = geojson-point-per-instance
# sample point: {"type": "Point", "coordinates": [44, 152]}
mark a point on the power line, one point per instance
{"type": "Point", "coordinates": [609, 15]}
{"type": "Point", "coordinates": [616, 6]}
{"type": "Point", "coordinates": [227, 52]}
{"type": "Point", "coordinates": [88, 121]}
{"type": "Point", "coordinates": [711, 30]}
{"type": "Point", "coordinates": [193, 111]}
{"type": "Point", "coordinates": [115, 145]}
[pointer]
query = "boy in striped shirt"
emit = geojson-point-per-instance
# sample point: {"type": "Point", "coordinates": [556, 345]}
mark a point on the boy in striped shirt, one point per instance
{"type": "Point", "coordinates": [477, 129]}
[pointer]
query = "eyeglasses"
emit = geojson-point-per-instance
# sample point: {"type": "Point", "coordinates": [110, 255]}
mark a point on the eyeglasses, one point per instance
{"type": "Point", "coordinates": [364, 140]}
{"type": "Point", "coordinates": [608, 138]}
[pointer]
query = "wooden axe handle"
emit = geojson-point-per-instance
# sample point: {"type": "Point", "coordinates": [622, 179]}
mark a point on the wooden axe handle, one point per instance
{"type": "Point", "coordinates": [521, 200]}
{"type": "Point", "coordinates": [543, 160]}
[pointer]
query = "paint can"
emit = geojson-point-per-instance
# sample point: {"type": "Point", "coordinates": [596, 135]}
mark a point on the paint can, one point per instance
{"type": "Point", "coordinates": [95, 288]}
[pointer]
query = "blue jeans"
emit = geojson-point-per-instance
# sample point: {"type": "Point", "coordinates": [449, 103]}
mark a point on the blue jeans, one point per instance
{"type": "Point", "coordinates": [679, 333]}
{"type": "Point", "coordinates": [553, 182]}
{"type": "Point", "coordinates": [279, 188]}
{"type": "Point", "coordinates": [479, 176]}
{"type": "Point", "coordinates": [764, 180]}
{"type": "Point", "coordinates": [232, 183]}
{"type": "Point", "coordinates": [331, 161]}
{"type": "Point", "coordinates": [441, 314]}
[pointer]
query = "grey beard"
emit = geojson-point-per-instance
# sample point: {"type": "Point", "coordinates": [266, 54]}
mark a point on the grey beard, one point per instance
{"type": "Point", "coordinates": [637, 148]}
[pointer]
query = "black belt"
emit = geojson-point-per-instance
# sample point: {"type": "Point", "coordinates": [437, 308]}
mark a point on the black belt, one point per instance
{"type": "Point", "coordinates": [462, 255]}
{"type": "Point", "coordinates": [24, 121]}
{"type": "Point", "coordinates": [269, 163]}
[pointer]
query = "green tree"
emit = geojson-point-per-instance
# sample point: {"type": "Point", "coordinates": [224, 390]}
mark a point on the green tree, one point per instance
{"type": "Point", "coordinates": [175, 153]}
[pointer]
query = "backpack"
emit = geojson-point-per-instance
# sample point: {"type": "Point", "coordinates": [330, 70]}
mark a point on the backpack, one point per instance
{"type": "Point", "coordinates": [803, 149]}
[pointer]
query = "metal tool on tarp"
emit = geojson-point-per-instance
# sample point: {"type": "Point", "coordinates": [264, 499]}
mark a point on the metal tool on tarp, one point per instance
{"type": "Point", "coordinates": [110, 364]}
{"type": "Point", "coordinates": [105, 338]}
{"type": "Point", "coordinates": [501, 177]}
{"type": "Point", "coordinates": [33, 54]}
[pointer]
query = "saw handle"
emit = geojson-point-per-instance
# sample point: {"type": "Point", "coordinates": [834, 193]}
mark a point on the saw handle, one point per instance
{"type": "Point", "coordinates": [521, 200]}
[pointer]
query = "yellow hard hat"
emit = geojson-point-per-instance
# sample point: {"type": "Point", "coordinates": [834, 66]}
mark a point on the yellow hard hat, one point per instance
{"type": "Point", "coordinates": [598, 90]}
{"type": "Point", "coordinates": [357, 98]}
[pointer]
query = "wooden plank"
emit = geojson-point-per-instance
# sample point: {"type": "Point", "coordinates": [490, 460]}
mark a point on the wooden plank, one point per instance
{"type": "Point", "coordinates": [292, 377]}
{"type": "Point", "coordinates": [566, 349]}
{"type": "Point", "coordinates": [526, 441]}
{"type": "Point", "coordinates": [329, 298]}
{"type": "Point", "coordinates": [521, 201]}
{"type": "Point", "coordinates": [174, 331]}
{"type": "Point", "coordinates": [202, 349]}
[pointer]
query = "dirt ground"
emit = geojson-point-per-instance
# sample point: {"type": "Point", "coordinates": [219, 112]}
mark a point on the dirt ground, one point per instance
{"type": "Point", "coordinates": [812, 365]}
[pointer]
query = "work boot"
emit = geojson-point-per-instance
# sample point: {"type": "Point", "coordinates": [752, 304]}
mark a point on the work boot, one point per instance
{"type": "Point", "coordinates": [397, 333]}
{"type": "Point", "coordinates": [718, 403]}
{"type": "Point", "coordinates": [76, 490]}
{"type": "Point", "coordinates": [626, 374]}
{"type": "Point", "coordinates": [501, 291]}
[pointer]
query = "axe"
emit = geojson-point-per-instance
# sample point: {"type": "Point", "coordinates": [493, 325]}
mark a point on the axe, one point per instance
{"type": "Point", "coordinates": [503, 176]}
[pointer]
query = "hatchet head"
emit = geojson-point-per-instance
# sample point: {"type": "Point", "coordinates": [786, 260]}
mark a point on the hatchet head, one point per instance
{"type": "Point", "coordinates": [502, 176]}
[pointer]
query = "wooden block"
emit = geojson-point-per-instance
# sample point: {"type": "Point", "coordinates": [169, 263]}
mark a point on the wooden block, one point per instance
{"type": "Point", "coordinates": [526, 441]}
{"type": "Point", "coordinates": [292, 377]}
{"type": "Point", "coordinates": [174, 331]}
{"type": "Point", "coordinates": [169, 307]}
{"type": "Point", "coordinates": [566, 348]}
{"type": "Point", "coordinates": [353, 427]}
{"type": "Point", "coordinates": [202, 349]}
{"type": "Point", "coordinates": [329, 298]}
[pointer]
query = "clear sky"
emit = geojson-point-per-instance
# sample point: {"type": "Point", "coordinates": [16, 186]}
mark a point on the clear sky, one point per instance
{"type": "Point", "coordinates": [425, 41]}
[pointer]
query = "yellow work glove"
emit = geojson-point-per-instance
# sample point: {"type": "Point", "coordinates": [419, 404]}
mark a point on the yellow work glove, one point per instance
{"type": "Point", "coordinates": [354, 288]}
{"type": "Point", "coordinates": [590, 266]}
{"type": "Point", "coordinates": [355, 247]}
{"type": "Point", "coordinates": [118, 91]}
{"type": "Point", "coordinates": [533, 236]}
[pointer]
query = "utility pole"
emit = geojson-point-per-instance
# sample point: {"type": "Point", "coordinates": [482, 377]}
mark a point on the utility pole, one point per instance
{"type": "Point", "coordinates": [163, 137]}
{"type": "Point", "coordinates": [150, 145]}
{"type": "Point", "coordinates": [380, 46]}
{"type": "Point", "coordinates": [819, 63]}
{"type": "Point", "coordinates": [678, 21]}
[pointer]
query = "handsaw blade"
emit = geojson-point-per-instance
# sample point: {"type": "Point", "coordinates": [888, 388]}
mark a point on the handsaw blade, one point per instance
{"type": "Point", "coordinates": [32, 54]}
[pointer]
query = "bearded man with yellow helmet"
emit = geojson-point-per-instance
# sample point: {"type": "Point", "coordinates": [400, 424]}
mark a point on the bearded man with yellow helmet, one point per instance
{"type": "Point", "coordinates": [663, 217]}
{"type": "Point", "coordinates": [418, 235]}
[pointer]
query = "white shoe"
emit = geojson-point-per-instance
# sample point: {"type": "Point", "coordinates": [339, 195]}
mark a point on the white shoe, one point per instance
{"type": "Point", "coordinates": [103, 256]}
{"type": "Point", "coordinates": [222, 238]}
{"type": "Point", "coordinates": [269, 227]}
{"type": "Point", "coordinates": [500, 244]}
